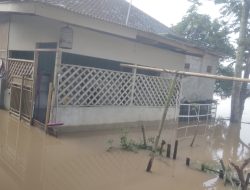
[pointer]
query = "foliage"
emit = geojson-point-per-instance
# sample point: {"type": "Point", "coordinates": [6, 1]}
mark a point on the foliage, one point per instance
{"type": "Point", "coordinates": [223, 88]}
{"type": "Point", "coordinates": [228, 176]}
{"type": "Point", "coordinates": [215, 34]}
{"type": "Point", "coordinates": [110, 144]}
{"type": "Point", "coordinates": [130, 145]}
{"type": "Point", "coordinates": [203, 31]}
{"type": "Point", "coordinates": [125, 143]}
{"type": "Point", "coordinates": [239, 11]}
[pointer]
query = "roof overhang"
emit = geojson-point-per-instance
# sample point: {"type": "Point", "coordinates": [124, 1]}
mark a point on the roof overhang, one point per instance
{"type": "Point", "coordinates": [63, 15]}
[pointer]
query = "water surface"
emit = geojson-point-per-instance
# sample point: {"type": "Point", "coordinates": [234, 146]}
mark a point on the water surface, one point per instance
{"type": "Point", "coordinates": [32, 160]}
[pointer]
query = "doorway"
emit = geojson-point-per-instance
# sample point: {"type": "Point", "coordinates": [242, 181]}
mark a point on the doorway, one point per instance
{"type": "Point", "coordinates": [46, 59]}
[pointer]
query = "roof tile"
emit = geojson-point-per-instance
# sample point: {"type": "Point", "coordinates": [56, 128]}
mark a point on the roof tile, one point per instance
{"type": "Point", "coordinates": [114, 11]}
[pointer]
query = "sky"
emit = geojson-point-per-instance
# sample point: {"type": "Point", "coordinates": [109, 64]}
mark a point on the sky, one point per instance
{"type": "Point", "coordinates": [170, 12]}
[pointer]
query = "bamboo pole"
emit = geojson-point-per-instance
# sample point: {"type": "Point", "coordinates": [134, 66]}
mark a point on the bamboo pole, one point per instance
{"type": "Point", "coordinates": [21, 98]}
{"type": "Point", "coordinates": [48, 106]}
{"type": "Point", "coordinates": [34, 87]}
{"type": "Point", "coordinates": [203, 75]}
{"type": "Point", "coordinates": [157, 138]}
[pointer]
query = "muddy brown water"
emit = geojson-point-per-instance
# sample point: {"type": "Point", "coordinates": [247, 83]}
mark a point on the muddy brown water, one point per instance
{"type": "Point", "coordinates": [31, 160]}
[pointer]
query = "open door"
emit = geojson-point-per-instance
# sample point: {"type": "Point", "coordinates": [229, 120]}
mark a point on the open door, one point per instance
{"type": "Point", "coordinates": [45, 74]}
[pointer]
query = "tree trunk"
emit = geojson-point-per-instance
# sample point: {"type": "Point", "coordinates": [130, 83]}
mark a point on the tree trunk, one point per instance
{"type": "Point", "coordinates": [244, 91]}
{"type": "Point", "coordinates": [236, 108]}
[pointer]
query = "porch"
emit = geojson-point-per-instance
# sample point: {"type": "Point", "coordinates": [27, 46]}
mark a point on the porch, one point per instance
{"type": "Point", "coordinates": [86, 90]}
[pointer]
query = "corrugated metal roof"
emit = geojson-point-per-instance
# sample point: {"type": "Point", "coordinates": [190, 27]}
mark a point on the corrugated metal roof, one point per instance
{"type": "Point", "coordinates": [114, 11]}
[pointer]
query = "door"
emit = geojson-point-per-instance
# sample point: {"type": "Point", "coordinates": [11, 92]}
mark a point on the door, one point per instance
{"type": "Point", "coordinates": [45, 75]}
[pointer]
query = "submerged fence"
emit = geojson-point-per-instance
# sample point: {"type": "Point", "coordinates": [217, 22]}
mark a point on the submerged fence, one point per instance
{"type": "Point", "coordinates": [190, 113]}
{"type": "Point", "coordinates": [86, 86]}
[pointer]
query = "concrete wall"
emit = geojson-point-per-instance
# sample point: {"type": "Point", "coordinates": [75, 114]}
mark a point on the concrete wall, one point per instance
{"type": "Point", "coordinates": [27, 30]}
{"type": "Point", "coordinates": [198, 89]}
{"type": "Point", "coordinates": [4, 33]}
{"type": "Point", "coordinates": [76, 116]}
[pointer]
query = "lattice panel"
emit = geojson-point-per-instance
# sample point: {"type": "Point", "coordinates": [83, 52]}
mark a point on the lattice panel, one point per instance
{"type": "Point", "coordinates": [153, 91]}
{"type": "Point", "coordinates": [84, 86]}
{"type": "Point", "coordinates": [19, 68]}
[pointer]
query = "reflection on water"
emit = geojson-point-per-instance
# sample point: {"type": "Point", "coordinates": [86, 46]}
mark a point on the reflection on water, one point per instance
{"type": "Point", "coordinates": [30, 160]}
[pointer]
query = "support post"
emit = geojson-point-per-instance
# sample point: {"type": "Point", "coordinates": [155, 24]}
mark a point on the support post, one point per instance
{"type": "Point", "coordinates": [21, 98]}
{"type": "Point", "coordinates": [36, 54]}
{"type": "Point", "coordinates": [162, 145]}
{"type": "Point", "coordinates": [168, 151]}
{"type": "Point", "coordinates": [133, 86]}
{"type": "Point", "coordinates": [48, 106]}
{"type": "Point", "coordinates": [188, 113]}
{"type": "Point", "coordinates": [167, 105]}
{"type": "Point", "coordinates": [187, 161]}
{"type": "Point", "coordinates": [144, 136]}
{"type": "Point", "coordinates": [175, 149]}
{"type": "Point", "coordinates": [55, 82]}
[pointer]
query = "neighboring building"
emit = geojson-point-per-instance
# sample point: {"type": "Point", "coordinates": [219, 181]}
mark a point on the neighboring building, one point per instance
{"type": "Point", "coordinates": [91, 86]}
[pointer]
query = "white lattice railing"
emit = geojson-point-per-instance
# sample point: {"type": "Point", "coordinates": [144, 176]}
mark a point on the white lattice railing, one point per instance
{"type": "Point", "coordinates": [85, 86]}
{"type": "Point", "coordinates": [18, 67]}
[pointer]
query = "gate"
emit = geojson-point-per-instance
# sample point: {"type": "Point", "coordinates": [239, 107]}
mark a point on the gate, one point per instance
{"type": "Point", "coordinates": [20, 81]}
{"type": "Point", "coordinates": [21, 99]}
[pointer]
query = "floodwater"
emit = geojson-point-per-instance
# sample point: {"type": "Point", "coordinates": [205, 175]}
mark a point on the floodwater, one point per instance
{"type": "Point", "coordinates": [32, 160]}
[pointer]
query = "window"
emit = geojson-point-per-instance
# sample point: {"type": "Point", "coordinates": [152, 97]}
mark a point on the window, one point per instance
{"type": "Point", "coordinates": [29, 55]}
{"type": "Point", "coordinates": [209, 69]}
{"type": "Point", "coordinates": [46, 45]}
{"type": "Point", "coordinates": [187, 66]}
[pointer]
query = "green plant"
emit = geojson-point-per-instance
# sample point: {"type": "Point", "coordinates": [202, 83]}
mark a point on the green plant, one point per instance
{"type": "Point", "coordinates": [125, 143]}
{"type": "Point", "coordinates": [151, 140]}
{"type": "Point", "coordinates": [110, 144]}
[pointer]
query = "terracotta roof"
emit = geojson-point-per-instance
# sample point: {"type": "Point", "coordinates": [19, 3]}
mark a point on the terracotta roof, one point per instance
{"type": "Point", "coordinates": [114, 11]}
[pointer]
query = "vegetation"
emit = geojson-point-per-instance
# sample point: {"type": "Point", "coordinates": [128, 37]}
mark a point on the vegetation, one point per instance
{"type": "Point", "coordinates": [205, 32]}
{"type": "Point", "coordinates": [215, 34]}
{"type": "Point", "coordinates": [239, 10]}
{"type": "Point", "coordinates": [223, 88]}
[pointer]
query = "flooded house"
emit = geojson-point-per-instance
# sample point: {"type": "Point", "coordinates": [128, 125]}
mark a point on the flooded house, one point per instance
{"type": "Point", "coordinates": [78, 47]}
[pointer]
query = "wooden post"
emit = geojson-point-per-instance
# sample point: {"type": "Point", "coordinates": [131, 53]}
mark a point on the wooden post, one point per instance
{"type": "Point", "coordinates": [175, 149]}
{"type": "Point", "coordinates": [187, 161]}
{"type": "Point", "coordinates": [247, 179]}
{"type": "Point", "coordinates": [144, 135]}
{"type": "Point", "coordinates": [197, 126]}
{"type": "Point", "coordinates": [222, 166]}
{"type": "Point", "coordinates": [167, 105]}
{"type": "Point", "coordinates": [133, 86]}
{"type": "Point", "coordinates": [48, 106]}
{"type": "Point", "coordinates": [162, 145]}
{"type": "Point", "coordinates": [36, 54]}
{"type": "Point", "coordinates": [168, 151]}
{"type": "Point", "coordinates": [55, 82]}
{"type": "Point", "coordinates": [21, 98]}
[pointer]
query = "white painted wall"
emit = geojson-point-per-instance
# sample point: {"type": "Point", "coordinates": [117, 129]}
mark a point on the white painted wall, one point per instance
{"type": "Point", "coordinates": [27, 30]}
{"type": "Point", "coordinates": [4, 32]}
{"type": "Point", "coordinates": [76, 116]}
